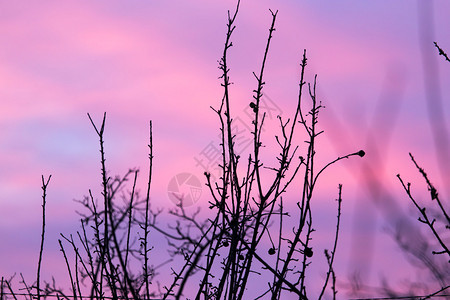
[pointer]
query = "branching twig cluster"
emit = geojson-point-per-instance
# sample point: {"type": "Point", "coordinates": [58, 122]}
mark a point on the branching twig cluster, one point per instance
{"type": "Point", "coordinates": [231, 246]}
{"type": "Point", "coordinates": [222, 254]}
{"type": "Point", "coordinates": [113, 240]}
{"type": "Point", "coordinates": [437, 221]}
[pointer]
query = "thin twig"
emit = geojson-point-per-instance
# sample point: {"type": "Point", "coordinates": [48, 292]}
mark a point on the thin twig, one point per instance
{"type": "Point", "coordinates": [44, 201]}
{"type": "Point", "coordinates": [145, 227]}
{"type": "Point", "coordinates": [72, 283]}
{"type": "Point", "coordinates": [425, 218]}
{"type": "Point", "coordinates": [330, 259]}
{"type": "Point", "coordinates": [441, 52]}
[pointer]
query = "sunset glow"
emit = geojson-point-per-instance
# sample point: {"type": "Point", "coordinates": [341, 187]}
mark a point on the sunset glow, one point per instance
{"type": "Point", "coordinates": [158, 60]}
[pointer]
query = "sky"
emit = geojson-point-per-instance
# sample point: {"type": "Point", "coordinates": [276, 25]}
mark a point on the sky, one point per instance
{"type": "Point", "coordinates": [384, 87]}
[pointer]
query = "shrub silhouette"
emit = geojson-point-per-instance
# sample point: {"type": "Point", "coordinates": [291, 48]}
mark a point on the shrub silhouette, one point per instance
{"type": "Point", "coordinates": [223, 253]}
{"type": "Point", "coordinates": [245, 236]}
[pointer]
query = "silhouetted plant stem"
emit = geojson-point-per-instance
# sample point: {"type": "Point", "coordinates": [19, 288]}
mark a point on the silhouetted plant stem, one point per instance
{"type": "Point", "coordinates": [10, 289]}
{"type": "Point", "coordinates": [212, 253]}
{"type": "Point", "coordinates": [330, 259]}
{"type": "Point", "coordinates": [96, 285]}
{"type": "Point", "coordinates": [436, 293]}
{"type": "Point", "coordinates": [257, 97]}
{"type": "Point", "coordinates": [145, 227]}
{"type": "Point", "coordinates": [1, 289]}
{"type": "Point", "coordinates": [77, 279]}
{"type": "Point", "coordinates": [229, 176]}
{"type": "Point", "coordinates": [91, 271]}
{"type": "Point", "coordinates": [256, 146]}
{"type": "Point", "coordinates": [27, 288]}
{"type": "Point", "coordinates": [127, 249]}
{"type": "Point", "coordinates": [72, 283]}
{"type": "Point", "coordinates": [120, 258]}
{"type": "Point", "coordinates": [359, 153]}
{"type": "Point", "coordinates": [192, 265]}
{"type": "Point", "coordinates": [104, 250]}
{"type": "Point", "coordinates": [441, 52]}
{"type": "Point", "coordinates": [425, 219]}
{"type": "Point", "coordinates": [433, 192]}
{"type": "Point", "coordinates": [292, 287]}
{"type": "Point", "coordinates": [44, 201]}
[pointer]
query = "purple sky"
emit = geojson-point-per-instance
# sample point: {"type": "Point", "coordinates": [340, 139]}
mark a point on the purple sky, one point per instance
{"type": "Point", "coordinates": [142, 61]}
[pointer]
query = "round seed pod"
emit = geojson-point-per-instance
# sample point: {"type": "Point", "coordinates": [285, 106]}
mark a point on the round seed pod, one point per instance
{"type": "Point", "coordinates": [308, 252]}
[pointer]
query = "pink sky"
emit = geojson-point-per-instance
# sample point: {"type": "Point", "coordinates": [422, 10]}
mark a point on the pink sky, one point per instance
{"type": "Point", "coordinates": [142, 61]}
